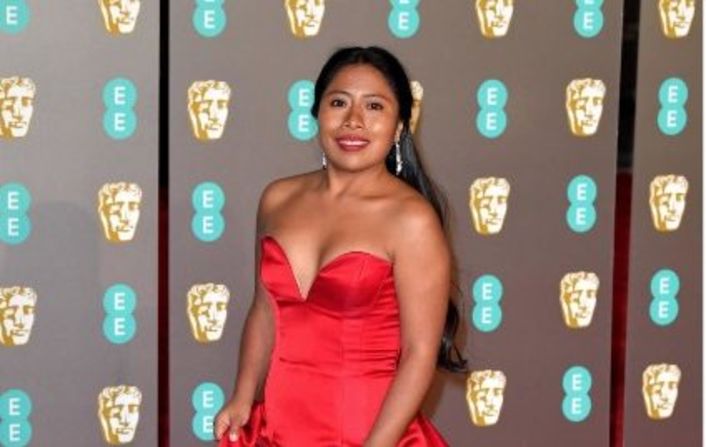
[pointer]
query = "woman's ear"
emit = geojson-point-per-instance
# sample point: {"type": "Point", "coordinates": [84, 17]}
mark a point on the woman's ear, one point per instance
{"type": "Point", "coordinates": [398, 132]}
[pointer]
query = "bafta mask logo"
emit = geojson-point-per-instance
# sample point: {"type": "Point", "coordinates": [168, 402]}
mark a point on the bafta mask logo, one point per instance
{"type": "Point", "coordinates": [207, 308]}
{"type": "Point", "coordinates": [676, 16]}
{"type": "Point", "coordinates": [417, 96]}
{"type": "Point", "coordinates": [119, 210]}
{"type": "Point", "coordinates": [494, 17]}
{"type": "Point", "coordinates": [208, 108]}
{"type": "Point", "coordinates": [668, 201]}
{"type": "Point", "coordinates": [16, 106]}
{"type": "Point", "coordinates": [578, 298]}
{"type": "Point", "coordinates": [584, 105]}
{"type": "Point", "coordinates": [488, 203]}
{"type": "Point", "coordinates": [119, 412]}
{"type": "Point", "coordinates": [484, 394]}
{"type": "Point", "coordinates": [305, 16]}
{"type": "Point", "coordinates": [660, 388]}
{"type": "Point", "coordinates": [17, 306]}
{"type": "Point", "coordinates": [119, 16]}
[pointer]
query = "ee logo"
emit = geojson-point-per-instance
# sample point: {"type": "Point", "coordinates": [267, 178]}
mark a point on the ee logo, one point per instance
{"type": "Point", "coordinates": [119, 325]}
{"type": "Point", "coordinates": [491, 120]}
{"type": "Point", "coordinates": [14, 16]}
{"type": "Point", "coordinates": [664, 307]}
{"type": "Point", "coordinates": [15, 409]}
{"type": "Point", "coordinates": [588, 18]}
{"type": "Point", "coordinates": [403, 20]}
{"type": "Point", "coordinates": [209, 18]}
{"type": "Point", "coordinates": [15, 225]}
{"type": "Point", "coordinates": [576, 405]}
{"type": "Point", "coordinates": [672, 117]}
{"type": "Point", "coordinates": [487, 292]}
{"type": "Point", "coordinates": [582, 193]}
{"type": "Point", "coordinates": [207, 400]}
{"type": "Point", "coordinates": [302, 124]}
{"type": "Point", "coordinates": [119, 98]}
{"type": "Point", "coordinates": [208, 200]}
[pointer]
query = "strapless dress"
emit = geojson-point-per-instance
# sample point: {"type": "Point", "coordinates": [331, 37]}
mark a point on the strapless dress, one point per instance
{"type": "Point", "coordinates": [335, 355]}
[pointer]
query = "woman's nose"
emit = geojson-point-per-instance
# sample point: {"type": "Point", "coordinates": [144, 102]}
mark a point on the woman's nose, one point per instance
{"type": "Point", "coordinates": [353, 118]}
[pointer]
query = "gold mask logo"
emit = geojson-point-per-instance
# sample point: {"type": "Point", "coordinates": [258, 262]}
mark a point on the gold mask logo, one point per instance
{"type": "Point", "coordinates": [494, 17]}
{"type": "Point", "coordinates": [208, 108]}
{"type": "Point", "coordinates": [119, 413]}
{"type": "Point", "coordinates": [16, 106]}
{"type": "Point", "coordinates": [660, 389]}
{"type": "Point", "coordinates": [119, 16]}
{"type": "Point", "coordinates": [584, 105]}
{"type": "Point", "coordinates": [488, 204]}
{"type": "Point", "coordinates": [119, 210]}
{"type": "Point", "coordinates": [207, 309]}
{"type": "Point", "coordinates": [17, 310]}
{"type": "Point", "coordinates": [676, 16]}
{"type": "Point", "coordinates": [579, 291]}
{"type": "Point", "coordinates": [417, 96]}
{"type": "Point", "coordinates": [485, 392]}
{"type": "Point", "coordinates": [305, 16]}
{"type": "Point", "coordinates": [668, 201]}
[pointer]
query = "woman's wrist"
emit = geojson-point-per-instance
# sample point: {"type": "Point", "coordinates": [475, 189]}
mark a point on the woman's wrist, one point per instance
{"type": "Point", "coordinates": [242, 398]}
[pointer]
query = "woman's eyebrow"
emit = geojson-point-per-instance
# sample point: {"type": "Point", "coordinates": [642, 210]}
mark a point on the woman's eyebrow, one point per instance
{"type": "Point", "coordinates": [367, 95]}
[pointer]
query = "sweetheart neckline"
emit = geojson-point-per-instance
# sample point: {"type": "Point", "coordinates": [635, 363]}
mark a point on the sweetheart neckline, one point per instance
{"type": "Point", "coordinates": [322, 268]}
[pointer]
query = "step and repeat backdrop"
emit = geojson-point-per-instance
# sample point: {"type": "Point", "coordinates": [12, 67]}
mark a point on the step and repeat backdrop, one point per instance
{"type": "Point", "coordinates": [517, 112]}
{"type": "Point", "coordinates": [663, 380]}
{"type": "Point", "coordinates": [78, 222]}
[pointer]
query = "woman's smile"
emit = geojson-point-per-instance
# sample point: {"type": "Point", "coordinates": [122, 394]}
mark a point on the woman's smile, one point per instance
{"type": "Point", "coordinates": [352, 143]}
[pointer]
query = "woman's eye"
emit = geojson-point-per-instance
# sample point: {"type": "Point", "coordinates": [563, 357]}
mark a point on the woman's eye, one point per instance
{"type": "Point", "coordinates": [337, 103]}
{"type": "Point", "coordinates": [375, 106]}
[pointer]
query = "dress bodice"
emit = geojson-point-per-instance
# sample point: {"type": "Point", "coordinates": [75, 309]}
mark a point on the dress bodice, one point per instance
{"type": "Point", "coordinates": [349, 321]}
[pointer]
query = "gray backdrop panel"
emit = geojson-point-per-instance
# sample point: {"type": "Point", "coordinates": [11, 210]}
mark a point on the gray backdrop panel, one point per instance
{"type": "Point", "coordinates": [259, 58]}
{"type": "Point", "coordinates": [63, 161]}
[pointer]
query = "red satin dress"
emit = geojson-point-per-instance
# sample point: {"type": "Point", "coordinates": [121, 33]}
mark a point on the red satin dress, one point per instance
{"type": "Point", "coordinates": [335, 355]}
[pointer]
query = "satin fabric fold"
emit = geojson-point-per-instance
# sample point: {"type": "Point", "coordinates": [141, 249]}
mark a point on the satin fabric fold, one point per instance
{"type": "Point", "coordinates": [335, 355]}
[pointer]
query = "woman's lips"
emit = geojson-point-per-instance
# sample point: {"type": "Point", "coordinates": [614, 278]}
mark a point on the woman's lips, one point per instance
{"type": "Point", "coordinates": [349, 143]}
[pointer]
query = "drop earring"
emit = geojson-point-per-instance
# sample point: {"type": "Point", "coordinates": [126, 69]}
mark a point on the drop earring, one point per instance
{"type": "Point", "coordinates": [398, 158]}
{"type": "Point", "coordinates": [323, 161]}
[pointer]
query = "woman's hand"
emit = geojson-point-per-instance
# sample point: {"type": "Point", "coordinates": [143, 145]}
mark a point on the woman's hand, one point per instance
{"type": "Point", "coordinates": [231, 417]}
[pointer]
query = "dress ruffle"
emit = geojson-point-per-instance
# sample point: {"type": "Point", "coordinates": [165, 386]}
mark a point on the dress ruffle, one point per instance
{"type": "Point", "coordinates": [420, 433]}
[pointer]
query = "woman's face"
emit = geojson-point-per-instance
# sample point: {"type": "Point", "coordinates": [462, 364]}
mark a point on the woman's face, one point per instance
{"type": "Point", "coordinates": [358, 118]}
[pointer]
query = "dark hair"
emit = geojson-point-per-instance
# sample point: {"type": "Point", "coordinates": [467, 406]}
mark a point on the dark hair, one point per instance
{"type": "Point", "coordinates": [412, 173]}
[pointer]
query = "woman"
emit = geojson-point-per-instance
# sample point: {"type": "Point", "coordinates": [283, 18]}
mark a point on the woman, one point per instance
{"type": "Point", "coordinates": [352, 295]}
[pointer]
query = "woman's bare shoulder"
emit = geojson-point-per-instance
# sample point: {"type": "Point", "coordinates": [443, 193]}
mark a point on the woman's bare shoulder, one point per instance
{"type": "Point", "coordinates": [414, 215]}
{"type": "Point", "coordinates": [283, 189]}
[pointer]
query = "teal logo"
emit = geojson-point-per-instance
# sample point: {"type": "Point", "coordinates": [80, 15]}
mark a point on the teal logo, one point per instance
{"type": "Point", "coordinates": [576, 405]}
{"type": "Point", "coordinates": [208, 200]}
{"type": "Point", "coordinates": [492, 97]}
{"type": "Point", "coordinates": [207, 400]}
{"type": "Point", "coordinates": [119, 98]}
{"type": "Point", "coordinates": [403, 20]}
{"type": "Point", "coordinates": [664, 307]}
{"type": "Point", "coordinates": [119, 325]}
{"type": "Point", "coordinates": [582, 193]}
{"type": "Point", "coordinates": [14, 16]}
{"type": "Point", "coordinates": [15, 410]}
{"type": "Point", "coordinates": [487, 291]}
{"type": "Point", "coordinates": [588, 18]}
{"type": "Point", "coordinates": [15, 225]}
{"type": "Point", "coordinates": [672, 118]}
{"type": "Point", "coordinates": [209, 18]}
{"type": "Point", "coordinates": [301, 123]}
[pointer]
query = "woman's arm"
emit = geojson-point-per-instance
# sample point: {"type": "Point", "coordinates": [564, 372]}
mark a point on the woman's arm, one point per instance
{"type": "Point", "coordinates": [422, 267]}
{"type": "Point", "coordinates": [256, 344]}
